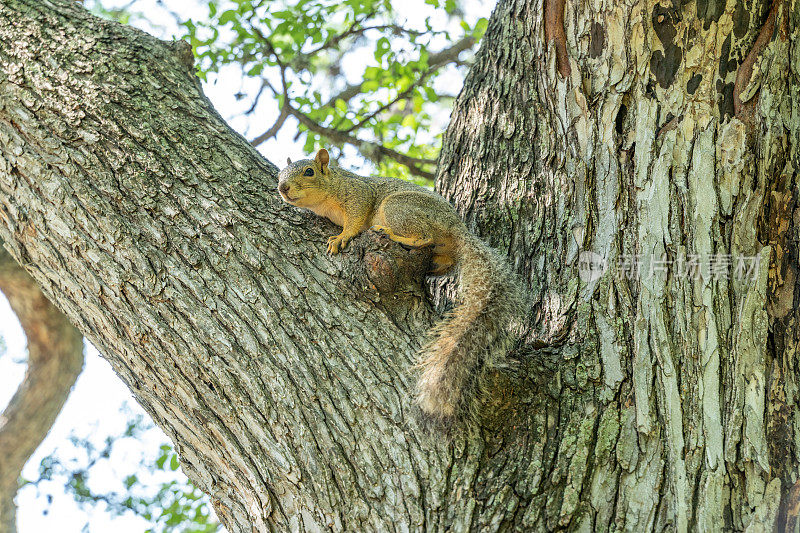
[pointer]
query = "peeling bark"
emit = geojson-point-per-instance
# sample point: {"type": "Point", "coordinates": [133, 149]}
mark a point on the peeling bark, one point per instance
{"type": "Point", "coordinates": [55, 358]}
{"type": "Point", "coordinates": [676, 404]}
{"type": "Point", "coordinates": [554, 32]}
{"type": "Point", "coordinates": [745, 71]}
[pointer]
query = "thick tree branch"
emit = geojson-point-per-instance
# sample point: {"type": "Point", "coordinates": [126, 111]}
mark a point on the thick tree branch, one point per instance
{"type": "Point", "coordinates": [282, 375]}
{"type": "Point", "coordinates": [55, 358]}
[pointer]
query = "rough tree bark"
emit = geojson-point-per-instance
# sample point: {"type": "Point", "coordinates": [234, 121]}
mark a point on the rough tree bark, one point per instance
{"type": "Point", "coordinates": [55, 359]}
{"type": "Point", "coordinates": [283, 376]}
{"type": "Point", "coordinates": [664, 130]}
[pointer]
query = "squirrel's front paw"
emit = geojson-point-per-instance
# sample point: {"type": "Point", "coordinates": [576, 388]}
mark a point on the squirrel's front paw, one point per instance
{"type": "Point", "coordinates": [336, 243]}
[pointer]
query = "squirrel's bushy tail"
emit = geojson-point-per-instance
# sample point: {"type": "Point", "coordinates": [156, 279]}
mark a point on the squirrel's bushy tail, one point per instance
{"type": "Point", "coordinates": [473, 337]}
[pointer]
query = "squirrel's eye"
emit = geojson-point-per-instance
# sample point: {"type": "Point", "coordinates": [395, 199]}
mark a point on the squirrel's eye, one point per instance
{"type": "Point", "coordinates": [309, 172]}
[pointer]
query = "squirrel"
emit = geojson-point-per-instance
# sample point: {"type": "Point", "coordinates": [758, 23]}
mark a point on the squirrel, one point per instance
{"type": "Point", "coordinates": [474, 335]}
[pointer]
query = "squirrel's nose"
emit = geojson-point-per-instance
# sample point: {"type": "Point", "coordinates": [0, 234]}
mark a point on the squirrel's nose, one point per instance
{"type": "Point", "coordinates": [284, 188]}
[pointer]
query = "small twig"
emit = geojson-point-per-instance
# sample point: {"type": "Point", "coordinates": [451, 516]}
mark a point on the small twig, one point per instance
{"type": "Point", "coordinates": [381, 109]}
{"type": "Point", "coordinates": [400, 96]}
{"type": "Point", "coordinates": [264, 85]}
{"type": "Point", "coordinates": [372, 151]}
{"type": "Point", "coordinates": [270, 48]}
{"type": "Point", "coordinates": [336, 39]}
{"type": "Point", "coordinates": [352, 32]}
{"type": "Point", "coordinates": [436, 60]}
{"type": "Point", "coordinates": [273, 130]}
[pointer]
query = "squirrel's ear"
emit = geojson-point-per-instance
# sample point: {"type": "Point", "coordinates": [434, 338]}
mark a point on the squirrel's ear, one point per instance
{"type": "Point", "coordinates": [322, 158]}
{"type": "Point", "coordinates": [288, 160]}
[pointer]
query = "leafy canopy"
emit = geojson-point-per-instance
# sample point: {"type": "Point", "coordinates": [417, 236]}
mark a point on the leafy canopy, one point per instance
{"type": "Point", "coordinates": [375, 75]}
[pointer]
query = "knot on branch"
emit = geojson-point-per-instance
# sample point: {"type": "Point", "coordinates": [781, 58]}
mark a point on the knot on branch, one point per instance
{"type": "Point", "coordinates": [395, 272]}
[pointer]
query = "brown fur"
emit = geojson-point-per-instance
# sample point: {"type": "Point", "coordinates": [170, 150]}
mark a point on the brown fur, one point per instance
{"type": "Point", "coordinates": [475, 335]}
{"type": "Point", "coordinates": [472, 338]}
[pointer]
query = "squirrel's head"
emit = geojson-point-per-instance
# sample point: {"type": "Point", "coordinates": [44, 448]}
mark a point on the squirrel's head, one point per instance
{"type": "Point", "coordinates": [301, 183]}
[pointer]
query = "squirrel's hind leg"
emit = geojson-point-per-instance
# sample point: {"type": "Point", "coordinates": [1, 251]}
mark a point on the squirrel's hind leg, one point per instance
{"type": "Point", "coordinates": [408, 217]}
{"type": "Point", "coordinates": [415, 242]}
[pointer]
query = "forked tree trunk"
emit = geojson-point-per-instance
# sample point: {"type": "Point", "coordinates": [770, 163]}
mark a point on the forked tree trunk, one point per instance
{"type": "Point", "coordinates": [283, 376]}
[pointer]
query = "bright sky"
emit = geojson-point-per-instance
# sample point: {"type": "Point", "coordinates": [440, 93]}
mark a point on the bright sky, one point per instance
{"type": "Point", "coordinates": [100, 405]}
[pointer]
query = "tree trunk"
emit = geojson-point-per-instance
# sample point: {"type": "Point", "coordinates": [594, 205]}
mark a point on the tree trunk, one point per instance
{"type": "Point", "coordinates": [55, 359]}
{"type": "Point", "coordinates": [283, 376]}
{"type": "Point", "coordinates": [665, 131]}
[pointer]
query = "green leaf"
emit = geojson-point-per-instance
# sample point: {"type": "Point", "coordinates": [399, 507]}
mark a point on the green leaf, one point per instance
{"type": "Point", "coordinates": [382, 47]}
{"type": "Point", "coordinates": [256, 70]}
{"type": "Point", "coordinates": [226, 17]}
{"type": "Point", "coordinates": [369, 86]}
{"type": "Point", "coordinates": [163, 456]}
{"type": "Point", "coordinates": [371, 73]}
{"type": "Point", "coordinates": [480, 28]}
